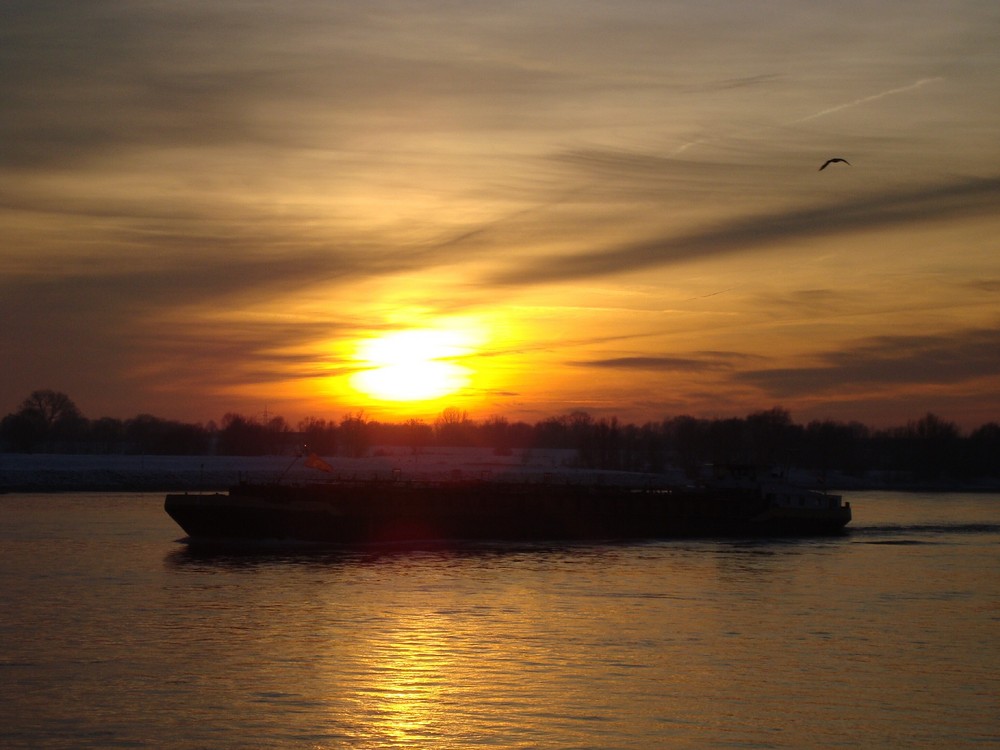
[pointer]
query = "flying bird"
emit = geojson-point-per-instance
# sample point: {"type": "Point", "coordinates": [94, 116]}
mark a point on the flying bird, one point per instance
{"type": "Point", "coordinates": [828, 162]}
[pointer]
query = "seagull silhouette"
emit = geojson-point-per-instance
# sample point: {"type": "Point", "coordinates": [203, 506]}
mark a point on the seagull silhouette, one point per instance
{"type": "Point", "coordinates": [828, 162]}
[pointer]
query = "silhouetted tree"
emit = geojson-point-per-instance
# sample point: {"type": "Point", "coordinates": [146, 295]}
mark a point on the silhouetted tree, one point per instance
{"type": "Point", "coordinates": [726, 443]}
{"type": "Point", "coordinates": [552, 432]}
{"type": "Point", "coordinates": [148, 434]}
{"type": "Point", "coordinates": [52, 407]}
{"type": "Point", "coordinates": [984, 450]}
{"type": "Point", "coordinates": [355, 435]}
{"type": "Point", "coordinates": [934, 446]}
{"type": "Point", "coordinates": [242, 436]}
{"type": "Point", "coordinates": [419, 435]}
{"type": "Point", "coordinates": [606, 444]}
{"type": "Point", "coordinates": [685, 439]}
{"type": "Point", "coordinates": [46, 420]}
{"type": "Point", "coordinates": [495, 433]}
{"type": "Point", "coordinates": [107, 435]}
{"type": "Point", "coordinates": [929, 449]}
{"type": "Point", "coordinates": [521, 435]}
{"type": "Point", "coordinates": [319, 436]}
{"type": "Point", "coordinates": [768, 437]}
{"type": "Point", "coordinates": [643, 448]}
{"type": "Point", "coordinates": [453, 427]}
{"type": "Point", "coordinates": [23, 432]}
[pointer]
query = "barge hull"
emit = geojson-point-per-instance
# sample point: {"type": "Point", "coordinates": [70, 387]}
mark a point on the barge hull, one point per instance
{"type": "Point", "coordinates": [394, 512]}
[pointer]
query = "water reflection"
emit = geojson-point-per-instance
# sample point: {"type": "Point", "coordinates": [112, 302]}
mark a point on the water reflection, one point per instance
{"type": "Point", "coordinates": [258, 554]}
{"type": "Point", "coordinates": [118, 637]}
{"type": "Point", "coordinates": [413, 647]}
{"type": "Point", "coordinates": [406, 667]}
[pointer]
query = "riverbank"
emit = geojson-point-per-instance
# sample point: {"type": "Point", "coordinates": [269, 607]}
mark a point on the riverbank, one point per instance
{"type": "Point", "coordinates": [122, 473]}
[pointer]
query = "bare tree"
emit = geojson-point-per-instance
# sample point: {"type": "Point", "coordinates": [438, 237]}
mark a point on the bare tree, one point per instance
{"type": "Point", "coordinates": [51, 407]}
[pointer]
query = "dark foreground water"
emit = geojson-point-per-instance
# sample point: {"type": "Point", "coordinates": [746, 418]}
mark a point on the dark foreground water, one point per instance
{"type": "Point", "coordinates": [112, 634]}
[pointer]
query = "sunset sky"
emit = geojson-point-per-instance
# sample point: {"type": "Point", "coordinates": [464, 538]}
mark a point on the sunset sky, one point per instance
{"type": "Point", "coordinates": [522, 209]}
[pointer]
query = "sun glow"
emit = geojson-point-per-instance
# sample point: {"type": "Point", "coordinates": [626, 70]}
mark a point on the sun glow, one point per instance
{"type": "Point", "coordinates": [413, 365]}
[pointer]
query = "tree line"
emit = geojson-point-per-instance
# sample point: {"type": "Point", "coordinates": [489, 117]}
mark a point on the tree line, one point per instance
{"type": "Point", "coordinates": [928, 448]}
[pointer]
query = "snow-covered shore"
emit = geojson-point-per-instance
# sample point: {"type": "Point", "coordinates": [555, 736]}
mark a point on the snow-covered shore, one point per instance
{"type": "Point", "coordinates": [119, 473]}
{"type": "Point", "coordinates": [79, 473]}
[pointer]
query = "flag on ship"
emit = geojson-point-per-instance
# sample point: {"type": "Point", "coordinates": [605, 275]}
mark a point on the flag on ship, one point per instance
{"type": "Point", "coordinates": [315, 462]}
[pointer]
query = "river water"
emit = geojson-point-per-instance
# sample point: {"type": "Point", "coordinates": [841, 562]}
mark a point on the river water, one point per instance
{"type": "Point", "coordinates": [114, 634]}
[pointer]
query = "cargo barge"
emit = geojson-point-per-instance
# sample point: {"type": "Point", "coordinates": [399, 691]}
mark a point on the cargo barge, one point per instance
{"type": "Point", "coordinates": [385, 511]}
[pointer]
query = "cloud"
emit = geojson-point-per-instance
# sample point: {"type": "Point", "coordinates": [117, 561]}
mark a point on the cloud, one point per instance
{"type": "Point", "coordinates": [888, 361]}
{"type": "Point", "coordinates": [98, 320]}
{"type": "Point", "coordinates": [967, 198]}
{"type": "Point", "coordinates": [988, 285]}
{"type": "Point", "coordinates": [86, 82]}
{"type": "Point", "coordinates": [698, 362]}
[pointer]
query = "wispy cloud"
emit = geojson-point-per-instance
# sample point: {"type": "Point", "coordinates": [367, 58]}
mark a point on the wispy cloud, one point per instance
{"type": "Point", "coordinates": [929, 204]}
{"type": "Point", "coordinates": [888, 362]}
{"type": "Point", "coordinates": [696, 362]}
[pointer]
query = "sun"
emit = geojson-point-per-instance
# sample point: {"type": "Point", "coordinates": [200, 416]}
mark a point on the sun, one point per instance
{"type": "Point", "coordinates": [412, 365]}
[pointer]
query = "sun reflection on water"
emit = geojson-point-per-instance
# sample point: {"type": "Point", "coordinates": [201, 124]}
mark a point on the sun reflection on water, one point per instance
{"type": "Point", "coordinates": [407, 675]}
